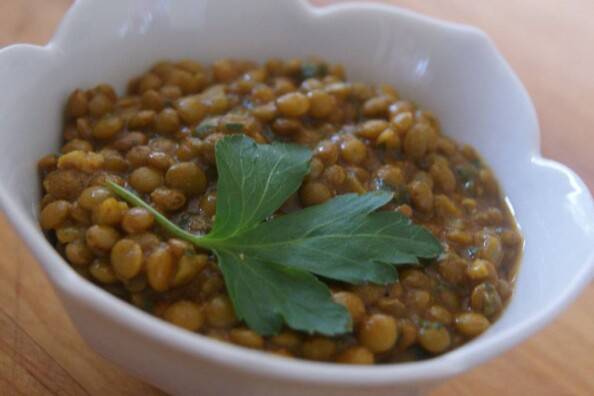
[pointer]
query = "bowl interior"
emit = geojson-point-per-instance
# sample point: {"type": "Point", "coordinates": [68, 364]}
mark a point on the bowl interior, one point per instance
{"type": "Point", "coordinates": [453, 71]}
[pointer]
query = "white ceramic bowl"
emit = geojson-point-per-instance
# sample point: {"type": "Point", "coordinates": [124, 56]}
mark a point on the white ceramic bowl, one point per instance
{"type": "Point", "coordinates": [451, 69]}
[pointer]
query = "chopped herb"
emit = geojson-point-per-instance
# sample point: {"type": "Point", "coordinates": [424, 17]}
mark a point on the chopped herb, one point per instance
{"type": "Point", "coordinates": [271, 136]}
{"type": "Point", "coordinates": [465, 173]}
{"type": "Point", "coordinates": [427, 324]}
{"type": "Point", "coordinates": [205, 128]}
{"type": "Point", "coordinates": [469, 186]}
{"type": "Point", "coordinates": [234, 127]}
{"type": "Point", "coordinates": [313, 70]}
{"type": "Point", "coordinates": [247, 103]}
{"type": "Point", "coordinates": [148, 305]}
{"type": "Point", "coordinates": [476, 163]}
{"type": "Point", "coordinates": [472, 251]}
{"type": "Point", "coordinates": [185, 219]}
{"type": "Point", "coordinates": [420, 353]}
{"type": "Point", "coordinates": [309, 70]}
{"type": "Point", "coordinates": [271, 268]}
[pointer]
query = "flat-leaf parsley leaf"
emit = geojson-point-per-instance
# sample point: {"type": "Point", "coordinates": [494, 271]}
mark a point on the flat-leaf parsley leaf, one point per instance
{"type": "Point", "coordinates": [271, 267]}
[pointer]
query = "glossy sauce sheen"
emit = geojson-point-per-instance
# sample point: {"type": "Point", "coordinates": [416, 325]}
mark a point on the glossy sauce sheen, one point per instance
{"type": "Point", "coordinates": [159, 140]}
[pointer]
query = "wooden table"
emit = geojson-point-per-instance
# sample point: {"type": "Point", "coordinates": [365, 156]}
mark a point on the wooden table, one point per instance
{"type": "Point", "coordinates": [548, 42]}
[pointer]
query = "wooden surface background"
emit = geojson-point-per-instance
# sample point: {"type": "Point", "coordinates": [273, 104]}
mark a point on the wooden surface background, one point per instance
{"type": "Point", "coordinates": [550, 44]}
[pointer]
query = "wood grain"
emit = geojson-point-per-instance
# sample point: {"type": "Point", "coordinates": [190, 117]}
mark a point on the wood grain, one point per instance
{"type": "Point", "coordinates": [547, 42]}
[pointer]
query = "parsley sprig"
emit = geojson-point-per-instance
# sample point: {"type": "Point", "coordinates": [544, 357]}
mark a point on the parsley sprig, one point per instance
{"type": "Point", "coordinates": [271, 268]}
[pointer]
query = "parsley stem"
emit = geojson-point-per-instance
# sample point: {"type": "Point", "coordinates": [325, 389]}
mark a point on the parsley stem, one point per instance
{"type": "Point", "coordinates": [163, 221]}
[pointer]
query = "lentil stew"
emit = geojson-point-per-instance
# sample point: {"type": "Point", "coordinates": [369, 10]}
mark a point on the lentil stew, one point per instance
{"type": "Point", "coordinates": [159, 140]}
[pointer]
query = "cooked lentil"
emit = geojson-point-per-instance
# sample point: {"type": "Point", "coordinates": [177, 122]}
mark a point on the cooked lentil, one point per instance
{"type": "Point", "coordinates": [158, 139]}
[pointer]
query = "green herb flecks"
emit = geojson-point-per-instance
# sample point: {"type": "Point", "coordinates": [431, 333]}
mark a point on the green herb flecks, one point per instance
{"type": "Point", "coordinates": [234, 127]}
{"type": "Point", "coordinates": [313, 70]}
{"type": "Point", "coordinates": [466, 175]}
{"type": "Point", "coordinates": [204, 129]}
{"type": "Point", "coordinates": [271, 267]}
{"type": "Point", "coordinates": [472, 251]}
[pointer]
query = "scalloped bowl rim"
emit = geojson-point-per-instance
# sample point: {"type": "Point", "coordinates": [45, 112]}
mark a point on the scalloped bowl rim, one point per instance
{"type": "Point", "coordinates": [454, 362]}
